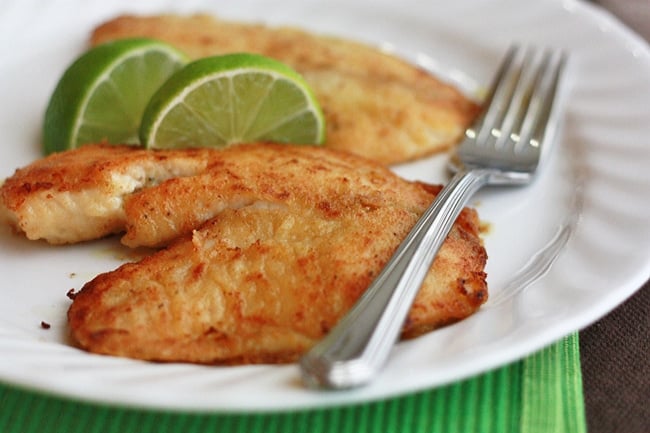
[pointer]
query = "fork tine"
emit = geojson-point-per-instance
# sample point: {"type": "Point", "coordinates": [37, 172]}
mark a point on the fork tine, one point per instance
{"type": "Point", "coordinates": [520, 99]}
{"type": "Point", "coordinates": [515, 119]}
{"type": "Point", "coordinates": [500, 95]}
{"type": "Point", "coordinates": [494, 97]}
{"type": "Point", "coordinates": [544, 98]}
{"type": "Point", "coordinates": [506, 62]}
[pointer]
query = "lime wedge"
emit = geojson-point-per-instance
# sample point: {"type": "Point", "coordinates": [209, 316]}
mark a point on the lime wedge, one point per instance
{"type": "Point", "coordinates": [101, 96]}
{"type": "Point", "coordinates": [229, 99]}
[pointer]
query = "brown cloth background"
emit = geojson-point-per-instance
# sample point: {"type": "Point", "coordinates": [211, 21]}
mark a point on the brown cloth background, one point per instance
{"type": "Point", "coordinates": [615, 351]}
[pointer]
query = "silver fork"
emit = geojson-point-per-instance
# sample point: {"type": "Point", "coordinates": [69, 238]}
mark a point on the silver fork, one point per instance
{"type": "Point", "coordinates": [503, 147]}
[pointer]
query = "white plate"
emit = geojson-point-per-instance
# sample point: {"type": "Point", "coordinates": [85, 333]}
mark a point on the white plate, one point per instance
{"type": "Point", "coordinates": [588, 214]}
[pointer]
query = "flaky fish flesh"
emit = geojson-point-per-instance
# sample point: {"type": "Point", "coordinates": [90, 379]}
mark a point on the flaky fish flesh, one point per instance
{"type": "Point", "coordinates": [79, 195]}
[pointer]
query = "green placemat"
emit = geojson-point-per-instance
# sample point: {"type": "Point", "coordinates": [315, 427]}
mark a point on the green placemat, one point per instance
{"type": "Point", "coordinates": [540, 394]}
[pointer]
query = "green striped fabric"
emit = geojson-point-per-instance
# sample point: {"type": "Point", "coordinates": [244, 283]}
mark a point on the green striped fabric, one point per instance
{"type": "Point", "coordinates": [542, 393]}
{"type": "Point", "coordinates": [552, 384]}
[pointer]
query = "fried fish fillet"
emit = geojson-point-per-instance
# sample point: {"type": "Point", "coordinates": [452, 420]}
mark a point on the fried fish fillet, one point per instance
{"type": "Point", "coordinates": [375, 104]}
{"type": "Point", "coordinates": [79, 195]}
{"type": "Point", "coordinates": [269, 174]}
{"type": "Point", "coordinates": [265, 278]}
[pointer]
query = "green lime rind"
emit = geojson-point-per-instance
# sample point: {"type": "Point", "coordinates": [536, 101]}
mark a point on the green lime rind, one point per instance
{"type": "Point", "coordinates": [194, 108]}
{"type": "Point", "coordinates": [102, 94]}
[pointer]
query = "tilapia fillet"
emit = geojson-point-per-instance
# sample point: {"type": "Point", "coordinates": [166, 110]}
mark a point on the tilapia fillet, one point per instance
{"type": "Point", "coordinates": [375, 104]}
{"type": "Point", "coordinates": [79, 195]}
{"type": "Point", "coordinates": [292, 237]}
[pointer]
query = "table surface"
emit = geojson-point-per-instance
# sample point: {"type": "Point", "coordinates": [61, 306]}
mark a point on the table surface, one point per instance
{"type": "Point", "coordinates": [614, 350]}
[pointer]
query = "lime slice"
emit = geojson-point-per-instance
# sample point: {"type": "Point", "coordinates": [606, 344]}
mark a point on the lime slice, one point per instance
{"type": "Point", "coordinates": [102, 95]}
{"type": "Point", "coordinates": [234, 98]}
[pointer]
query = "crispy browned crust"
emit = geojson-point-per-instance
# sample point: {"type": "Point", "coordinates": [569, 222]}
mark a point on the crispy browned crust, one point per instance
{"type": "Point", "coordinates": [266, 278]}
{"type": "Point", "coordinates": [269, 174]}
{"type": "Point", "coordinates": [375, 104]}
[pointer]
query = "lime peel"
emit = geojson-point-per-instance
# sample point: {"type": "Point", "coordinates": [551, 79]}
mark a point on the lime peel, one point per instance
{"type": "Point", "coordinates": [78, 91]}
{"type": "Point", "coordinates": [194, 81]}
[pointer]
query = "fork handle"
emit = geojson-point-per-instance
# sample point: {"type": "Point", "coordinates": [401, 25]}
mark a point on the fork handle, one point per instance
{"type": "Point", "coordinates": [357, 348]}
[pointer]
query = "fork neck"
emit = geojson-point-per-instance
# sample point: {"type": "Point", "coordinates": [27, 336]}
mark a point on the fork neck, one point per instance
{"type": "Point", "coordinates": [466, 181]}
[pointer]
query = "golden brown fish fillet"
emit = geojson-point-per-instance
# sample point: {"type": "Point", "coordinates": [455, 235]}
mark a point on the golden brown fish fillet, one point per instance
{"type": "Point", "coordinates": [79, 195]}
{"type": "Point", "coordinates": [375, 104]}
{"type": "Point", "coordinates": [267, 277]}
{"type": "Point", "coordinates": [267, 173]}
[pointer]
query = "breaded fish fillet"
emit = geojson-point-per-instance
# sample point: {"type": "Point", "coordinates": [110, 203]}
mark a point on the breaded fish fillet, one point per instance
{"type": "Point", "coordinates": [79, 195]}
{"type": "Point", "coordinates": [267, 277]}
{"type": "Point", "coordinates": [271, 174]}
{"type": "Point", "coordinates": [375, 104]}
